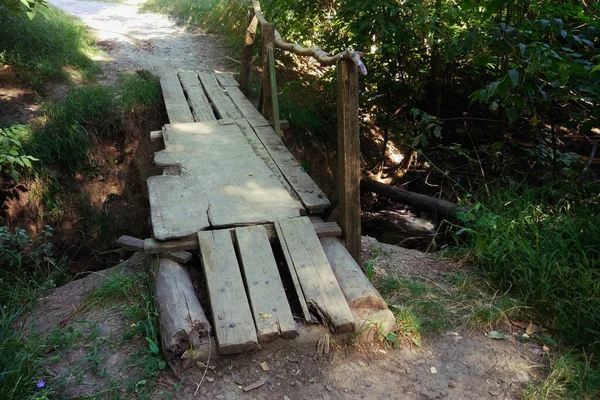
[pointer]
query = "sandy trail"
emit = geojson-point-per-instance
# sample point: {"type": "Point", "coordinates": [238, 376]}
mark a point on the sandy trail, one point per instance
{"type": "Point", "coordinates": [135, 40]}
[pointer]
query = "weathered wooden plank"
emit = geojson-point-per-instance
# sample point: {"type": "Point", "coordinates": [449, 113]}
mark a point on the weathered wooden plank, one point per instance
{"type": "Point", "coordinates": [349, 156]}
{"type": "Point", "coordinates": [246, 107]}
{"type": "Point", "coordinates": [156, 136]}
{"type": "Point", "coordinates": [182, 257]}
{"type": "Point", "coordinates": [357, 289]}
{"type": "Point", "coordinates": [226, 79]}
{"type": "Point", "coordinates": [175, 101]}
{"type": "Point", "coordinates": [182, 319]}
{"type": "Point", "coordinates": [267, 32]}
{"type": "Point", "coordinates": [223, 104]}
{"type": "Point", "coordinates": [290, 264]}
{"type": "Point", "coordinates": [232, 318]}
{"type": "Point", "coordinates": [201, 108]}
{"type": "Point", "coordinates": [131, 243]}
{"type": "Point", "coordinates": [319, 285]}
{"type": "Point", "coordinates": [270, 308]}
{"type": "Point", "coordinates": [153, 246]}
{"type": "Point", "coordinates": [169, 220]}
{"type": "Point", "coordinates": [311, 196]}
{"type": "Point", "coordinates": [247, 51]}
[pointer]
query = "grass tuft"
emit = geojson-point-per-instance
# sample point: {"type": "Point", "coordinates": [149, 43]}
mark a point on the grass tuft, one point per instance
{"type": "Point", "coordinates": [40, 49]}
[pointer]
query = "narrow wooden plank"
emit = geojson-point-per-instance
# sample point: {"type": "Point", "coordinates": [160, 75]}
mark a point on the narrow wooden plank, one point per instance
{"type": "Point", "coordinates": [319, 285]}
{"type": "Point", "coordinates": [201, 108]}
{"type": "Point", "coordinates": [246, 108]}
{"type": "Point", "coordinates": [131, 243]}
{"type": "Point", "coordinates": [248, 47]}
{"type": "Point", "coordinates": [349, 157]}
{"type": "Point", "coordinates": [232, 318]}
{"type": "Point", "coordinates": [175, 101]}
{"type": "Point", "coordinates": [223, 104]}
{"type": "Point", "coordinates": [310, 195]}
{"type": "Point", "coordinates": [153, 246]}
{"type": "Point", "coordinates": [267, 32]}
{"type": "Point", "coordinates": [226, 79]}
{"type": "Point", "coordinates": [290, 264]}
{"type": "Point", "coordinates": [156, 136]}
{"type": "Point", "coordinates": [270, 308]}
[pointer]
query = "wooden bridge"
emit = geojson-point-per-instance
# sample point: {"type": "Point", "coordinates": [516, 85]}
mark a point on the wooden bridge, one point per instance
{"type": "Point", "coordinates": [231, 190]}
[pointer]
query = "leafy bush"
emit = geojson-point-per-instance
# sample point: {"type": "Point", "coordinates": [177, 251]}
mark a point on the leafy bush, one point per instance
{"type": "Point", "coordinates": [12, 158]}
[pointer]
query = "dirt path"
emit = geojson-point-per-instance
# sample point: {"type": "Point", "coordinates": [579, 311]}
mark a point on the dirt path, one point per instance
{"type": "Point", "coordinates": [135, 40]}
{"type": "Point", "coordinates": [457, 364]}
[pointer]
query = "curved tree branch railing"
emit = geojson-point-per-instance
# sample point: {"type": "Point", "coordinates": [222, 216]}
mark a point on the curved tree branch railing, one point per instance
{"type": "Point", "coordinates": [348, 64]}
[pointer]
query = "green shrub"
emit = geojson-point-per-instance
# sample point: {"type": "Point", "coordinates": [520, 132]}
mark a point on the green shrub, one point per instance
{"type": "Point", "coordinates": [13, 160]}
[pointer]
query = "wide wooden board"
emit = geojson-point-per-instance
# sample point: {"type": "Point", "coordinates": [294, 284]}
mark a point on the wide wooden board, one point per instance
{"type": "Point", "coordinates": [169, 219]}
{"type": "Point", "coordinates": [310, 195]}
{"type": "Point", "coordinates": [222, 103]}
{"type": "Point", "coordinates": [221, 179]}
{"type": "Point", "coordinates": [198, 102]}
{"type": "Point", "coordinates": [175, 101]}
{"type": "Point", "coordinates": [232, 318]}
{"type": "Point", "coordinates": [319, 285]}
{"type": "Point", "coordinates": [270, 308]}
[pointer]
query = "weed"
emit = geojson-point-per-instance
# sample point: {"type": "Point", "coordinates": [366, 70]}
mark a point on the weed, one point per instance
{"type": "Point", "coordinates": [424, 306]}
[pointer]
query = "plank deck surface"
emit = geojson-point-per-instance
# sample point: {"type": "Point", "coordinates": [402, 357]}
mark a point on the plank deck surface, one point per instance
{"type": "Point", "coordinates": [226, 79]}
{"type": "Point", "coordinates": [177, 106]}
{"type": "Point", "coordinates": [223, 105]}
{"type": "Point", "coordinates": [223, 182]}
{"type": "Point", "coordinates": [311, 196]}
{"type": "Point", "coordinates": [247, 109]}
{"type": "Point", "coordinates": [232, 318]}
{"type": "Point", "coordinates": [197, 100]}
{"type": "Point", "coordinates": [270, 307]}
{"type": "Point", "coordinates": [317, 280]}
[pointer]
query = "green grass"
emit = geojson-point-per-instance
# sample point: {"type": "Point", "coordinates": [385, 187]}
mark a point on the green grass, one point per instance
{"type": "Point", "coordinates": [425, 306]}
{"type": "Point", "coordinates": [39, 50]}
{"type": "Point", "coordinates": [87, 115]}
{"type": "Point", "coordinates": [542, 245]}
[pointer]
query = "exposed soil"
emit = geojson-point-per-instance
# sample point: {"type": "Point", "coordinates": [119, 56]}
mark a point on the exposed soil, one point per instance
{"type": "Point", "coordinates": [454, 365]}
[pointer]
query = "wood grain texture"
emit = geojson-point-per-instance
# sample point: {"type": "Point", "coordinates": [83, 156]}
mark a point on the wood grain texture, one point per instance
{"type": "Point", "coordinates": [247, 109]}
{"type": "Point", "coordinates": [232, 318]}
{"type": "Point", "coordinates": [220, 101]}
{"type": "Point", "coordinates": [349, 157]}
{"type": "Point", "coordinates": [357, 289]}
{"type": "Point", "coordinates": [249, 38]}
{"type": "Point", "coordinates": [270, 308]}
{"type": "Point", "coordinates": [177, 106]}
{"type": "Point", "coordinates": [267, 32]}
{"type": "Point", "coordinates": [307, 190]}
{"type": "Point", "coordinates": [226, 79]}
{"type": "Point", "coordinates": [153, 246]}
{"type": "Point", "coordinates": [182, 319]}
{"type": "Point", "coordinates": [197, 100]}
{"type": "Point", "coordinates": [319, 285]}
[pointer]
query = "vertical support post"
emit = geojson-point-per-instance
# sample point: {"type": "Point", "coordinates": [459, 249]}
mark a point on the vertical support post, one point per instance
{"type": "Point", "coordinates": [247, 51]}
{"type": "Point", "coordinates": [274, 91]}
{"type": "Point", "coordinates": [349, 156]}
{"type": "Point", "coordinates": [268, 40]}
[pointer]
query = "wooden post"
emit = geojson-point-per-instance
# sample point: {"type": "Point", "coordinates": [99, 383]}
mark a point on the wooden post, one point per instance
{"type": "Point", "coordinates": [247, 51]}
{"type": "Point", "coordinates": [274, 91]}
{"type": "Point", "coordinates": [268, 40]}
{"type": "Point", "coordinates": [349, 157]}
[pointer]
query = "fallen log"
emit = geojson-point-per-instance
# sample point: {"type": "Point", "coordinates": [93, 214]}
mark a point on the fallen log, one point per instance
{"type": "Point", "coordinates": [183, 323]}
{"type": "Point", "coordinates": [438, 207]}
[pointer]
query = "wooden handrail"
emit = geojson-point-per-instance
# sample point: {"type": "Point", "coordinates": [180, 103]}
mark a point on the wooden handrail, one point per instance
{"type": "Point", "coordinates": [317, 53]}
{"type": "Point", "coordinates": [348, 64]}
